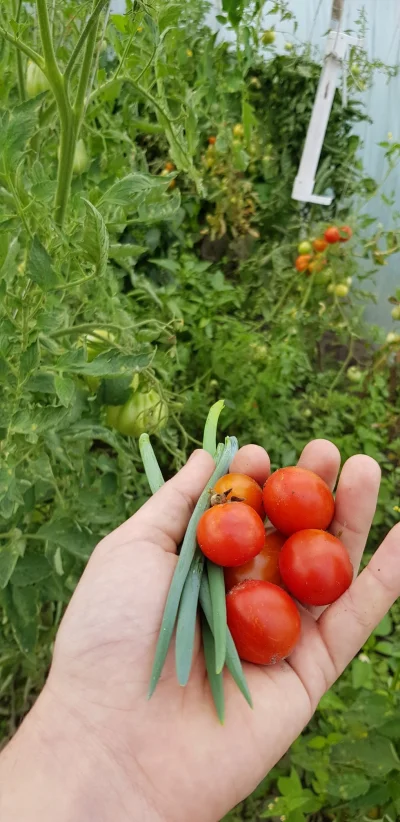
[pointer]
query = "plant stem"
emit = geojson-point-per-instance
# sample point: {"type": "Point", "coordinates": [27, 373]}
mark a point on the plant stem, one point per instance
{"type": "Point", "coordinates": [20, 67]}
{"type": "Point", "coordinates": [19, 44]}
{"type": "Point", "coordinates": [87, 29]}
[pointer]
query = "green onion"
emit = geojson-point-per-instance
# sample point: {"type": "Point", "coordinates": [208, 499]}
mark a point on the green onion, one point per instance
{"type": "Point", "coordinates": [150, 464]}
{"type": "Point", "coordinates": [186, 624]}
{"type": "Point", "coordinates": [210, 428]}
{"type": "Point", "coordinates": [215, 680]}
{"type": "Point", "coordinates": [217, 591]}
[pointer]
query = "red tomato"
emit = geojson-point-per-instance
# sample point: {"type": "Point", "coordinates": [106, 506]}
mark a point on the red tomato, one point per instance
{"type": "Point", "coordinates": [295, 498]}
{"type": "Point", "coordinates": [242, 486]}
{"type": "Point", "coordinates": [315, 567]}
{"type": "Point", "coordinates": [320, 244]}
{"type": "Point", "coordinates": [264, 566]}
{"type": "Point", "coordinates": [231, 534]}
{"type": "Point", "coordinates": [264, 621]}
{"type": "Point", "coordinates": [332, 234]}
{"type": "Point", "coordinates": [345, 233]}
{"type": "Point", "coordinates": [303, 261]}
{"type": "Point", "coordinates": [212, 140]}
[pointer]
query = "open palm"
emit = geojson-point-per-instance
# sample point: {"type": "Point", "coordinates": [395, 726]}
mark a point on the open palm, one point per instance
{"type": "Point", "coordinates": [169, 758]}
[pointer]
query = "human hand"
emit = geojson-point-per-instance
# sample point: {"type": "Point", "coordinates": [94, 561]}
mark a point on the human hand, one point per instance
{"type": "Point", "coordinates": [169, 758]}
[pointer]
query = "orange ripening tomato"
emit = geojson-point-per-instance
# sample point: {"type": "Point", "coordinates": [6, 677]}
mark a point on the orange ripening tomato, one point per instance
{"type": "Point", "coordinates": [332, 235]}
{"type": "Point", "coordinates": [318, 264]}
{"type": "Point", "coordinates": [169, 166]}
{"type": "Point", "coordinates": [320, 244]}
{"type": "Point", "coordinates": [295, 498]}
{"type": "Point", "coordinates": [264, 566]}
{"type": "Point", "coordinates": [345, 233]}
{"type": "Point", "coordinates": [303, 261]}
{"type": "Point", "coordinates": [244, 488]}
{"type": "Point", "coordinates": [212, 140]}
{"type": "Point", "coordinates": [263, 620]}
{"type": "Point", "coordinates": [231, 534]}
{"type": "Point", "coordinates": [315, 567]}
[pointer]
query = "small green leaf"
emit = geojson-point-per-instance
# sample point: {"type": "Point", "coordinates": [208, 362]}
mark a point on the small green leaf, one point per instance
{"type": "Point", "coordinates": [21, 606]}
{"type": "Point", "coordinates": [216, 680]}
{"type": "Point", "coordinates": [124, 191]}
{"type": "Point", "coordinates": [347, 785]}
{"type": "Point", "coordinates": [65, 390]}
{"type": "Point", "coordinates": [39, 266]}
{"type": "Point", "coordinates": [385, 626]}
{"type": "Point", "coordinates": [30, 568]}
{"type": "Point", "coordinates": [9, 555]}
{"type": "Point", "coordinates": [68, 535]}
{"type": "Point", "coordinates": [95, 239]}
{"type": "Point", "coordinates": [30, 359]}
{"type": "Point", "coordinates": [217, 592]}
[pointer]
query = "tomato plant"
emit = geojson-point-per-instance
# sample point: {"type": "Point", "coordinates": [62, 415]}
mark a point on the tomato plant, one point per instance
{"type": "Point", "coordinates": [295, 498]}
{"type": "Point", "coordinates": [143, 413]}
{"type": "Point", "coordinates": [263, 620]}
{"type": "Point", "coordinates": [315, 567]}
{"type": "Point", "coordinates": [243, 488]}
{"type": "Point", "coordinates": [231, 534]}
{"type": "Point", "coordinates": [264, 566]}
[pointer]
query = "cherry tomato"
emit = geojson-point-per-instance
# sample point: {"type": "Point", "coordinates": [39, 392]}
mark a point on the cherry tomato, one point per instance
{"type": "Point", "coordinates": [315, 567]}
{"type": "Point", "coordinates": [268, 37]}
{"type": "Point", "coordinates": [212, 140]}
{"type": "Point", "coordinates": [243, 487]}
{"type": "Point", "coordinates": [303, 261]}
{"type": "Point", "coordinates": [320, 244]}
{"type": "Point", "coordinates": [264, 621]}
{"type": "Point", "coordinates": [305, 247]}
{"type": "Point", "coordinates": [332, 234]}
{"type": "Point", "coordinates": [295, 498]}
{"type": "Point", "coordinates": [231, 534]}
{"type": "Point", "coordinates": [318, 264]}
{"type": "Point", "coordinates": [264, 566]}
{"type": "Point", "coordinates": [345, 233]}
{"type": "Point", "coordinates": [169, 166]}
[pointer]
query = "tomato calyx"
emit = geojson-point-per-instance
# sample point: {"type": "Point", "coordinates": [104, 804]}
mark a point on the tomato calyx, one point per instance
{"type": "Point", "coordinates": [222, 499]}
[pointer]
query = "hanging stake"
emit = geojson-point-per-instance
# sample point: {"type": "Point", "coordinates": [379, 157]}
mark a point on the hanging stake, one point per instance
{"type": "Point", "coordinates": [336, 51]}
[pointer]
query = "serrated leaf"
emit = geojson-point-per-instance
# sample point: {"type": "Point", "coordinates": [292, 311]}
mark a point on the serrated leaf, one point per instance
{"type": "Point", "coordinates": [30, 359]}
{"type": "Point", "coordinates": [107, 364]}
{"type": "Point", "coordinates": [65, 390]}
{"type": "Point", "coordinates": [42, 383]}
{"type": "Point", "coordinates": [30, 568]}
{"type": "Point", "coordinates": [115, 391]}
{"type": "Point", "coordinates": [69, 536]}
{"type": "Point", "coordinates": [347, 785]}
{"type": "Point", "coordinates": [9, 555]}
{"type": "Point", "coordinates": [95, 238]}
{"type": "Point", "coordinates": [165, 209]}
{"type": "Point", "coordinates": [124, 192]}
{"type": "Point", "coordinates": [16, 128]}
{"type": "Point", "coordinates": [39, 266]}
{"type": "Point", "coordinates": [20, 606]}
{"type": "Point", "coordinates": [122, 251]}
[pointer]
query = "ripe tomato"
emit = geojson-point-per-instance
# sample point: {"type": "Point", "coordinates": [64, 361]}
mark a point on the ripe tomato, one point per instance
{"type": "Point", "coordinates": [264, 566]}
{"type": "Point", "coordinates": [231, 534]}
{"type": "Point", "coordinates": [295, 498]}
{"type": "Point", "coordinates": [264, 621]}
{"type": "Point", "coordinates": [345, 233]}
{"type": "Point", "coordinates": [242, 486]}
{"type": "Point", "coordinates": [304, 248]}
{"type": "Point", "coordinates": [303, 261]}
{"type": "Point", "coordinates": [212, 140]}
{"type": "Point", "coordinates": [169, 166]}
{"type": "Point", "coordinates": [320, 244]}
{"type": "Point", "coordinates": [332, 234]}
{"type": "Point", "coordinates": [315, 567]}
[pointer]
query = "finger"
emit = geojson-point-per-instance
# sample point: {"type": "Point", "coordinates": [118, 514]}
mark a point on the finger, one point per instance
{"type": "Point", "coordinates": [253, 461]}
{"type": "Point", "coordinates": [355, 504]}
{"type": "Point", "coordinates": [348, 623]}
{"type": "Point", "coordinates": [322, 457]}
{"type": "Point", "coordinates": [163, 518]}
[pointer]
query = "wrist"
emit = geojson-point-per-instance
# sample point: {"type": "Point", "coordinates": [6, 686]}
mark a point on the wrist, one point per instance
{"type": "Point", "coordinates": [55, 769]}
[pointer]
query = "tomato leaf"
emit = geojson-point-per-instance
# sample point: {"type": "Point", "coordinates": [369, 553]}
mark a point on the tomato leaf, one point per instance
{"type": "Point", "coordinates": [95, 239]}
{"type": "Point", "coordinates": [39, 266]}
{"type": "Point", "coordinates": [9, 555]}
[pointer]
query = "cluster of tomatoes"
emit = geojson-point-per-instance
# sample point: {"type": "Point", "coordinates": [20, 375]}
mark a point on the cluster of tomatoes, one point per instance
{"type": "Point", "coordinates": [312, 257]}
{"type": "Point", "coordinates": [266, 570]}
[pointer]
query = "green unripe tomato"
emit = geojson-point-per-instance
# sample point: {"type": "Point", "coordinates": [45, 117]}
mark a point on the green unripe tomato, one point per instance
{"type": "Point", "coordinates": [392, 338]}
{"type": "Point", "coordinates": [304, 247]}
{"type": "Point", "coordinates": [288, 46]}
{"type": "Point", "coordinates": [81, 158]}
{"type": "Point", "coordinates": [238, 130]}
{"type": "Point", "coordinates": [355, 69]}
{"type": "Point", "coordinates": [354, 374]}
{"type": "Point", "coordinates": [341, 290]}
{"type": "Point", "coordinates": [141, 414]}
{"type": "Point", "coordinates": [36, 81]}
{"type": "Point", "coordinates": [95, 345]}
{"type": "Point", "coordinates": [268, 37]}
{"type": "Point", "coordinates": [396, 312]}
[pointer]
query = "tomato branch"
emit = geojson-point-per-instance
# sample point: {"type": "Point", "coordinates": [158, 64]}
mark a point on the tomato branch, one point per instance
{"type": "Point", "coordinates": [86, 31]}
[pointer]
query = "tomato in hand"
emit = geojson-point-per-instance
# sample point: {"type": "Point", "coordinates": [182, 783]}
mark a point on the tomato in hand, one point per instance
{"type": "Point", "coordinates": [332, 235]}
{"type": "Point", "coordinates": [320, 244]}
{"type": "Point", "coordinates": [263, 620]}
{"type": "Point", "coordinates": [264, 566]}
{"type": "Point", "coordinates": [303, 261]}
{"type": "Point", "coordinates": [244, 488]}
{"type": "Point", "coordinates": [315, 567]}
{"type": "Point", "coordinates": [345, 233]}
{"type": "Point", "coordinates": [295, 498]}
{"type": "Point", "coordinates": [231, 534]}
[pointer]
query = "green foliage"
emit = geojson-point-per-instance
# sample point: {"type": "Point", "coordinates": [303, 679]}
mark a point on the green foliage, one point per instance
{"type": "Point", "coordinates": [187, 273]}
